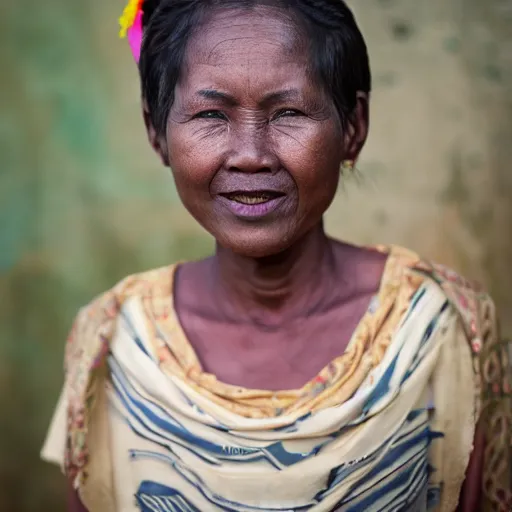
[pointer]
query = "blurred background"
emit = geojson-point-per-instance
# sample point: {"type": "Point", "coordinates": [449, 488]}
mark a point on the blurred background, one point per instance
{"type": "Point", "coordinates": [84, 202]}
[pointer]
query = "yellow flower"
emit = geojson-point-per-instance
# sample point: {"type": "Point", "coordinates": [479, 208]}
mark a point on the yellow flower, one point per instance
{"type": "Point", "coordinates": [127, 19]}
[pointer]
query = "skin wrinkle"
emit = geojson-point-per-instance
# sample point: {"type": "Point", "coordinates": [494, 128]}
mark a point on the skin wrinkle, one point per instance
{"type": "Point", "coordinates": [235, 40]}
{"type": "Point", "coordinates": [229, 18]}
{"type": "Point", "coordinates": [247, 117]}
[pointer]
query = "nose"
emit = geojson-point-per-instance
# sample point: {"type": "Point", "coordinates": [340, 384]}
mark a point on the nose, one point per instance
{"type": "Point", "coordinates": [251, 151]}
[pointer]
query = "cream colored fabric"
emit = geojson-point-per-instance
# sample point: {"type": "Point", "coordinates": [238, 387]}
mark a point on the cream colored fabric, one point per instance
{"type": "Point", "coordinates": [115, 475]}
{"type": "Point", "coordinates": [453, 386]}
{"type": "Point", "coordinates": [128, 353]}
{"type": "Point", "coordinates": [97, 493]}
{"type": "Point", "coordinates": [53, 448]}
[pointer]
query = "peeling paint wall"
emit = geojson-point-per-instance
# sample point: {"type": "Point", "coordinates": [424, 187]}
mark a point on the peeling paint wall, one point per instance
{"type": "Point", "coordinates": [84, 202]}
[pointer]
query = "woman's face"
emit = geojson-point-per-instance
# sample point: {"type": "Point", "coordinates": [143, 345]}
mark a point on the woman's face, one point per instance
{"type": "Point", "coordinates": [255, 146]}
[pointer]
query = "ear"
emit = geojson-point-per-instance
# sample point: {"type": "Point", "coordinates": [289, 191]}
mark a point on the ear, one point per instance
{"type": "Point", "coordinates": [157, 142]}
{"type": "Point", "coordinates": [357, 129]}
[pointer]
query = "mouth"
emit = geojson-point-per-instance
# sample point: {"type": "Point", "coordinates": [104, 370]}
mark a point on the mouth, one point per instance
{"type": "Point", "coordinates": [253, 205]}
{"type": "Point", "coordinates": [252, 197]}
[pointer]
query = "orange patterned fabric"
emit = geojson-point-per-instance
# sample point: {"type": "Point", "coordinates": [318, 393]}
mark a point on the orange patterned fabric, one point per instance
{"type": "Point", "coordinates": [88, 346]}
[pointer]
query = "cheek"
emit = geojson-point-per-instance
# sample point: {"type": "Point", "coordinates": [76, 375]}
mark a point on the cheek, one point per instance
{"type": "Point", "coordinates": [313, 157]}
{"type": "Point", "coordinates": [194, 159]}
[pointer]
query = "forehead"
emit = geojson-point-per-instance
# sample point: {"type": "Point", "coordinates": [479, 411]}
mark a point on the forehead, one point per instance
{"type": "Point", "coordinates": [261, 45]}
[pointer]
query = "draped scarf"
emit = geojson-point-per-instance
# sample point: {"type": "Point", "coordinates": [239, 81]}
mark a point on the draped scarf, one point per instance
{"type": "Point", "coordinates": [388, 423]}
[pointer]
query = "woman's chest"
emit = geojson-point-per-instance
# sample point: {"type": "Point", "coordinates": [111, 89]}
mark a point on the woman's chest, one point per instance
{"type": "Point", "coordinates": [284, 358]}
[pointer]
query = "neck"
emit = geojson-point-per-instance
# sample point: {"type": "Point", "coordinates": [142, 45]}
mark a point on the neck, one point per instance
{"type": "Point", "coordinates": [271, 290]}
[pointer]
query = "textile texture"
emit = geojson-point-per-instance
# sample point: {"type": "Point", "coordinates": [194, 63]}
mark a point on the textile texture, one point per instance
{"type": "Point", "coordinates": [375, 427]}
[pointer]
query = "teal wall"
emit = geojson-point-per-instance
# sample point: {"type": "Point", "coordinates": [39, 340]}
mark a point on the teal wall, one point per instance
{"type": "Point", "coordinates": [84, 202]}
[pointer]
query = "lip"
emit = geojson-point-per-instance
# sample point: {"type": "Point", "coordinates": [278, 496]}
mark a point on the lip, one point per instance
{"type": "Point", "coordinates": [252, 211]}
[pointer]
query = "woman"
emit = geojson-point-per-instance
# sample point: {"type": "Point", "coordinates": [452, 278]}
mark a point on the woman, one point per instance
{"type": "Point", "coordinates": [289, 371]}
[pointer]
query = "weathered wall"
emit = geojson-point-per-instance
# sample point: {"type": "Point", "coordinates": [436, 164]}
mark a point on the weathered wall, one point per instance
{"type": "Point", "coordinates": [435, 174]}
{"type": "Point", "coordinates": [83, 201]}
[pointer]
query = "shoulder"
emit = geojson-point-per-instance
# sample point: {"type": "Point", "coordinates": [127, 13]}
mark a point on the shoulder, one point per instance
{"type": "Point", "coordinates": [87, 348]}
{"type": "Point", "coordinates": [478, 321]}
{"type": "Point", "coordinates": [459, 290]}
{"type": "Point", "coordinates": [94, 324]}
{"type": "Point", "coordinates": [477, 318]}
{"type": "Point", "coordinates": [95, 321]}
{"type": "Point", "coordinates": [151, 283]}
{"type": "Point", "coordinates": [473, 304]}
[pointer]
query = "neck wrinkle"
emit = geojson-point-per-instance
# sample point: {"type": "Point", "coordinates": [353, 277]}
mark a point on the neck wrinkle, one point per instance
{"type": "Point", "coordinates": [270, 291]}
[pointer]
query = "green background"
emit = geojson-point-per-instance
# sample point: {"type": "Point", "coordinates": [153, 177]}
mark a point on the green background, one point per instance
{"type": "Point", "coordinates": [84, 202]}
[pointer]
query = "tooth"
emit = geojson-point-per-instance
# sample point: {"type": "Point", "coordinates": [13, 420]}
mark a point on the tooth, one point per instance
{"type": "Point", "coordinates": [251, 199]}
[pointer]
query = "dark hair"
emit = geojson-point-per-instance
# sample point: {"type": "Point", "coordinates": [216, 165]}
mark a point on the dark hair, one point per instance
{"type": "Point", "coordinates": [339, 58]}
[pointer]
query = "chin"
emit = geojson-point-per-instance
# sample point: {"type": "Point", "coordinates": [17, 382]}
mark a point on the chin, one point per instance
{"type": "Point", "coordinates": [255, 245]}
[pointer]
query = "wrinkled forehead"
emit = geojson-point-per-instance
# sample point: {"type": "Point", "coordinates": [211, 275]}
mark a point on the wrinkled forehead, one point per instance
{"type": "Point", "coordinates": [244, 37]}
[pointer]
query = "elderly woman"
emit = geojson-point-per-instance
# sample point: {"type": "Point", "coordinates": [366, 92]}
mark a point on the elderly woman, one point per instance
{"type": "Point", "coordinates": [289, 371]}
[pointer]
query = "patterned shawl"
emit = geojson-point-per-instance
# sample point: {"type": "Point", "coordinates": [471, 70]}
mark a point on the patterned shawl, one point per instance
{"type": "Point", "coordinates": [388, 424]}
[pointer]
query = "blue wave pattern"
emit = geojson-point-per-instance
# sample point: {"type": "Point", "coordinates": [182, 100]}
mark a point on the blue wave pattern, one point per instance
{"type": "Point", "coordinates": [149, 420]}
{"type": "Point", "coordinates": [395, 477]}
{"type": "Point", "coordinates": [153, 497]}
{"type": "Point", "coordinates": [199, 486]}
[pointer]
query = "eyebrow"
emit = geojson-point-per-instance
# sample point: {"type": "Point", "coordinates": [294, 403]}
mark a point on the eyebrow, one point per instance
{"type": "Point", "coordinates": [213, 94]}
{"type": "Point", "coordinates": [273, 97]}
{"type": "Point", "coordinates": [277, 96]}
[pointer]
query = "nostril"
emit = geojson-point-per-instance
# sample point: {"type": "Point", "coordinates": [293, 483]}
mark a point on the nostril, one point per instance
{"type": "Point", "coordinates": [251, 157]}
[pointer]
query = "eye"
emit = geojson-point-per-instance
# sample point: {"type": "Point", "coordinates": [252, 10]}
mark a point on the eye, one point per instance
{"type": "Point", "coordinates": [210, 114]}
{"type": "Point", "coordinates": [287, 112]}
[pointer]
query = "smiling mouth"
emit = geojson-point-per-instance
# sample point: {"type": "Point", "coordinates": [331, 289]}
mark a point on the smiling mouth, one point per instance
{"type": "Point", "coordinates": [251, 198]}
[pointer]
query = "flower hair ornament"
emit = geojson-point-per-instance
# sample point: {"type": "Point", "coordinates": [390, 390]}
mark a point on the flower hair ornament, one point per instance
{"type": "Point", "coordinates": [130, 24]}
